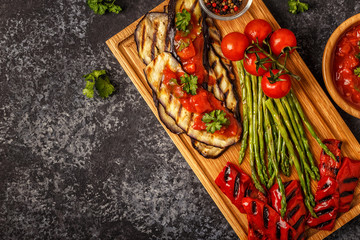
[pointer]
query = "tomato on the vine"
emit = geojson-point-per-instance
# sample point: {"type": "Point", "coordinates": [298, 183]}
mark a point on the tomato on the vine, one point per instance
{"type": "Point", "coordinates": [281, 39]}
{"type": "Point", "coordinates": [234, 45]}
{"type": "Point", "coordinates": [257, 30]}
{"type": "Point", "coordinates": [250, 63]}
{"type": "Point", "coordinates": [277, 89]}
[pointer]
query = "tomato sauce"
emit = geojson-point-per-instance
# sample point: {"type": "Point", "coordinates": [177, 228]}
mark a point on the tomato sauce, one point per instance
{"type": "Point", "coordinates": [201, 103]}
{"type": "Point", "coordinates": [192, 56]}
{"type": "Point", "coordinates": [345, 62]}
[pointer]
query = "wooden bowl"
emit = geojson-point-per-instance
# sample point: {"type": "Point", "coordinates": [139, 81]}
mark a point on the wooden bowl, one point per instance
{"type": "Point", "coordinates": [327, 66]}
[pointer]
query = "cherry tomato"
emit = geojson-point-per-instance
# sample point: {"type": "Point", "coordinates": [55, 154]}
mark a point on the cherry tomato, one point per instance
{"type": "Point", "coordinates": [250, 64]}
{"type": "Point", "coordinates": [234, 45]}
{"type": "Point", "coordinates": [187, 52]}
{"type": "Point", "coordinates": [278, 89]}
{"type": "Point", "coordinates": [280, 39]}
{"type": "Point", "coordinates": [257, 30]}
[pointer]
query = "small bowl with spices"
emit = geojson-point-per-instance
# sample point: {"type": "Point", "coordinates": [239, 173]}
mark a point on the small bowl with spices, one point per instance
{"type": "Point", "coordinates": [225, 9]}
{"type": "Point", "coordinates": [341, 66]}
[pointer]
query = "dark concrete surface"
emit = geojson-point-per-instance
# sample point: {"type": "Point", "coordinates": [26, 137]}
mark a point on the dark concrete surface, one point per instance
{"type": "Point", "coordinates": [77, 168]}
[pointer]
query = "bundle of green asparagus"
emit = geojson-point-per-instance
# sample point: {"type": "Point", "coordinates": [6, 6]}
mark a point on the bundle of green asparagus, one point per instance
{"type": "Point", "coordinates": [273, 129]}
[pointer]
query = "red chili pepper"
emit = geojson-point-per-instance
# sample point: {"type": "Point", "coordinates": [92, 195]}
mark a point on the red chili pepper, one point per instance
{"type": "Point", "coordinates": [265, 222]}
{"type": "Point", "coordinates": [295, 210]}
{"type": "Point", "coordinates": [327, 204]}
{"type": "Point", "coordinates": [328, 166]}
{"type": "Point", "coordinates": [347, 179]}
{"type": "Point", "coordinates": [236, 185]}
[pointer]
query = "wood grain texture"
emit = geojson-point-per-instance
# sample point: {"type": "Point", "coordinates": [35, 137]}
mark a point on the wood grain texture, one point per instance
{"type": "Point", "coordinates": [327, 65]}
{"type": "Point", "coordinates": [317, 106]}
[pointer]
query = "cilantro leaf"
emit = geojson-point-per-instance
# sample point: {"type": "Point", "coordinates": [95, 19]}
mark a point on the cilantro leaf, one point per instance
{"type": "Point", "coordinates": [190, 83]}
{"type": "Point", "coordinates": [295, 6]}
{"type": "Point", "coordinates": [101, 81]}
{"type": "Point", "coordinates": [183, 20]}
{"type": "Point", "coordinates": [100, 6]}
{"type": "Point", "coordinates": [357, 71]}
{"type": "Point", "coordinates": [215, 120]}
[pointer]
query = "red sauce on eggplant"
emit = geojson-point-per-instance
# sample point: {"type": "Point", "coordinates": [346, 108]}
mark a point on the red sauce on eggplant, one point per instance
{"type": "Point", "coordinates": [345, 61]}
{"type": "Point", "coordinates": [201, 103]}
{"type": "Point", "coordinates": [192, 55]}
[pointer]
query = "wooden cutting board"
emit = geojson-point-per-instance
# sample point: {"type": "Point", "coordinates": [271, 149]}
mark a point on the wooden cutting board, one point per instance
{"type": "Point", "coordinates": [317, 106]}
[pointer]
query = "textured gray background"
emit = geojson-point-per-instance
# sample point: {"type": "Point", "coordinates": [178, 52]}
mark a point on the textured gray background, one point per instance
{"type": "Point", "coordinates": [77, 168]}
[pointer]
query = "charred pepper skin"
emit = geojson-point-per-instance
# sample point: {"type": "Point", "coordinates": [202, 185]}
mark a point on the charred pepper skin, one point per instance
{"type": "Point", "coordinates": [327, 204]}
{"type": "Point", "coordinates": [347, 179]}
{"type": "Point", "coordinates": [236, 185]}
{"type": "Point", "coordinates": [265, 222]}
{"type": "Point", "coordinates": [296, 212]}
{"type": "Point", "coordinates": [328, 166]}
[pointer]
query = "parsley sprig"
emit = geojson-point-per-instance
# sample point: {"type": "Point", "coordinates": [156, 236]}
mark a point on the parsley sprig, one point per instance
{"type": "Point", "coordinates": [182, 21]}
{"type": "Point", "coordinates": [99, 80]}
{"type": "Point", "coordinates": [189, 83]}
{"type": "Point", "coordinates": [295, 6]}
{"type": "Point", "coordinates": [357, 71]}
{"type": "Point", "coordinates": [215, 120]}
{"type": "Point", "coordinates": [100, 6]}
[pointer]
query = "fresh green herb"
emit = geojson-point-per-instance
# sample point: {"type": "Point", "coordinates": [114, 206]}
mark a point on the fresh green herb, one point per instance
{"type": "Point", "coordinates": [295, 6]}
{"type": "Point", "coordinates": [182, 21]}
{"type": "Point", "coordinates": [100, 6]}
{"type": "Point", "coordinates": [100, 80]}
{"type": "Point", "coordinates": [190, 83]}
{"type": "Point", "coordinates": [215, 120]}
{"type": "Point", "coordinates": [357, 71]}
{"type": "Point", "coordinates": [183, 44]}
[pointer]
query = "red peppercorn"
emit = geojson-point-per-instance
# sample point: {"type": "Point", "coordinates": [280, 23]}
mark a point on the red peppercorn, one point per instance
{"type": "Point", "coordinates": [226, 7]}
{"type": "Point", "coordinates": [236, 8]}
{"type": "Point", "coordinates": [214, 4]}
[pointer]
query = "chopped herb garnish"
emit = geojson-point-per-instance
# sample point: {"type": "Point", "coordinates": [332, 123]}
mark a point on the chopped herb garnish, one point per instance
{"type": "Point", "coordinates": [215, 120]}
{"type": "Point", "coordinates": [295, 6]}
{"type": "Point", "coordinates": [182, 21]}
{"type": "Point", "coordinates": [100, 6]}
{"type": "Point", "coordinates": [357, 71]}
{"type": "Point", "coordinates": [189, 83]}
{"type": "Point", "coordinates": [183, 44]}
{"type": "Point", "coordinates": [101, 81]}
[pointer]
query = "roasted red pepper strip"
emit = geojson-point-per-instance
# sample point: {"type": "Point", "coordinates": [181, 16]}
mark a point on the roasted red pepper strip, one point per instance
{"type": "Point", "coordinates": [236, 184]}
{"type": "Point", "coordinates": [328, 166]}
{"type": "Point", "coordinates": [327, 204]}
{"type": "Point", "coordinates": [295, 210]}
{"type": "Point", "coordinates": [347, 179]}
{"type": "Point", "coordinates": [265, 222]}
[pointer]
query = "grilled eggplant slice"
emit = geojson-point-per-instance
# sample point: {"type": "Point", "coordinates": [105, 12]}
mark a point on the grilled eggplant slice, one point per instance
{"type": "Point", "coordinates": [183, 118]}
{"type": "Point", "coordinates": [151, 36]}
{"type": "Point", "coordinates": [207, 151]}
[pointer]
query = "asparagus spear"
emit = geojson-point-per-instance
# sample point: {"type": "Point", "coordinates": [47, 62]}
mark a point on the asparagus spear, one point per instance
{"type": "Point", "coordinates": [259, 166]}
{"type": "Point", "coordinates": [295, 160]}
{"type": "Point", "coordinates": [294, 138]}
{"type": "Point", "coordinates": [261, 130]}
{"type": "Point", "coordinates": [285, 165]}
{"type": "Point", "coordinates": [244, 141]}
{"type": "Point", "coordinates": [249, 100]}
{"type": "Point", "coordinates": [309, 126]}
{"type": "Point", "coordinates": [304, 139]}
{"type": "Point", "coordinates": [272, 158]}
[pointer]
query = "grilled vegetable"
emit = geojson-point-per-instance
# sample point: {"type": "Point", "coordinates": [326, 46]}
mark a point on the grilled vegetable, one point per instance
{"type": "Point", "coordinates": [327, 204]}
{"type": "Point", "coordinates": [173, 107]}
{"type": "Point", "coordinates": [207, 151]}
{"type": "Point", "coordinates": [265, 222]}
{"type": "Point", "coordinates": [296, 211]}
{"type": "Point", "coordinates": [151, 36]}
{"type": "Point", "coordinates": [347, 178]}
{"type": "Point", "coordinates": [236, 185]}
{"type": "Point", "coordinates": [328, 166]}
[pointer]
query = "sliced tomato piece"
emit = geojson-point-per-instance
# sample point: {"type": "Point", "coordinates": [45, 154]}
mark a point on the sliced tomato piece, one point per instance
{"type": "Point", "coordinates": [187, 52]}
